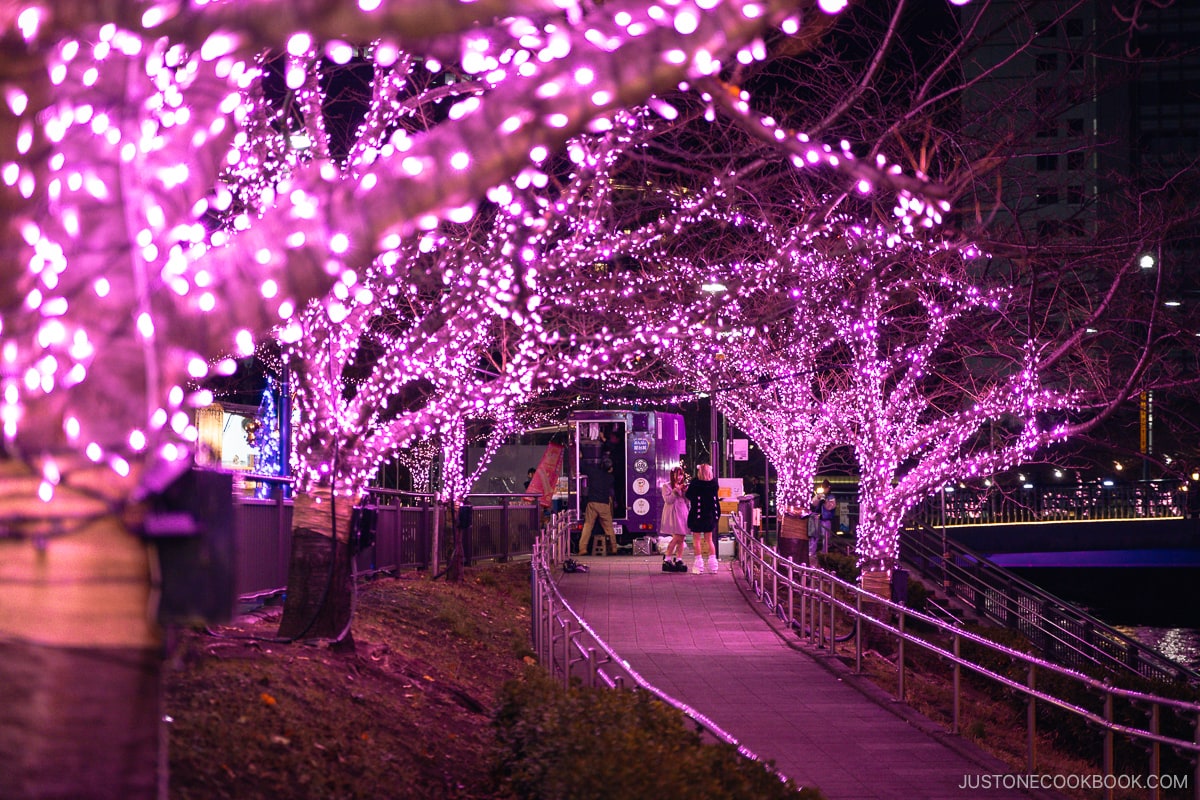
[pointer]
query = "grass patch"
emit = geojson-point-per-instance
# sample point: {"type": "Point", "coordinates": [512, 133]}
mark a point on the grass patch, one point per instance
{"type": "Point", "coordinates": [597, 744]}
{"type": "Point", "coordinates": [440, 698]}
{"type": "Point", "coordinates": [407, 714]}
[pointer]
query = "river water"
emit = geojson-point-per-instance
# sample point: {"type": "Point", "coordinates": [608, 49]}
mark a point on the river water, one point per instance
{"type": "Point", "coordinates": [1179, 644]}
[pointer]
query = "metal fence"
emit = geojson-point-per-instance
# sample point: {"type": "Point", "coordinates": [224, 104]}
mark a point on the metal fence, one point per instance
{"type": "Point", "coordinates": [815, 604]}
{"type": "Point", "coordinates": [1033, 503]}
{"type": "Point", "coordinates": [409, 534]}
{"type": "Point", "coordinates": [1065, 634]}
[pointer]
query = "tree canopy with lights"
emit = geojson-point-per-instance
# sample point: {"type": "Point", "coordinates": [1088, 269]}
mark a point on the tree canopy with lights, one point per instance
{"type": "Point", "coordinates": [176, 189]}
{"type": "Point", "coordinates": [136, 256]}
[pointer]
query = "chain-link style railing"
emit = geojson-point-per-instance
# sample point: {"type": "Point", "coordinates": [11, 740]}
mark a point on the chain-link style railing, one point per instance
{"type": "Point", "coordinates": [409, 532]}
{"type": "Point", "coordinates": [1094, 501]}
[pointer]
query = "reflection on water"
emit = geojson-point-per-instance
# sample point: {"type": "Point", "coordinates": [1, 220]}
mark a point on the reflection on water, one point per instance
{"type": "Point", "coordinates": [1179, 644]}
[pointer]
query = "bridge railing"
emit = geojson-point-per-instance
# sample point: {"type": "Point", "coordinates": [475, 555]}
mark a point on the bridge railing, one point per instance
{"type": "Point", "coordinates": [1084, 501]}
{"type": "Point", "coordinates": [570, 649]}
{"type": "Point", "coordinates": [406, 530]}
{"type": "Point", "coordinates": [1061, 631]}
{"type": "Point", "coordinates": [813, 603]}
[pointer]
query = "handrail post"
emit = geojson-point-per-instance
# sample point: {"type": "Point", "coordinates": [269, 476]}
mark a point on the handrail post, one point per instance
{"type": "Point", "coordinates": [791, 595]}
{"type": "Point", "coordinates": [547, 654]}
{"type": "Point", "coordinates": [832, 610]}
{"type": "Point", "coordinates": [762, 569]}
{"type": "Point", "coordinates": [1108, 739]}
{"type": "Point", "coordinates": [806, 627]}
{"type": "Point", "coordinates": [775, 586]}
{"type": "Point", "coordinates": [535, 603]}
{"type": "Point", "coordinates": [814, 608]}
{"type": "Point", "coordinates": [900, 661]}
{"type": "Point", "coordinates": [1031, 719]}
{"type": "Point", "coordinates": [821, 600]}
{"type": "Point", "coordinates": [858, 632]}
{"type": "Point", "coordinates": [1155, 750]}
{"type": "Point", "coordinates": [957, 682]}
{"type": "Point", "coordinates": [505, 521]}
{"type": "Point", "coordinates": [566, 653]}
{"type": "Point", "coordinates": [826, 610]}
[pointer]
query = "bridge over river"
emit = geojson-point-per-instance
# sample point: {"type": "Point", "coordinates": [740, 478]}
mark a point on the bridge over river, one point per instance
{"type": "Point", "coordinates": [1129, 556]}
{"type": "Point", "coordinates": [1128, 571]}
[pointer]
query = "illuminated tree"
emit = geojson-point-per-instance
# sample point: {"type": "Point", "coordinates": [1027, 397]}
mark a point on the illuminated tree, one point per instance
{"type": "Point", "coordinates": [267, 444]}
{"type": "Point", "coordinates": [470, 322]}
{"type": "Point", "coordinates": [130, 264]}
{"type": "Point", "coordinates": [757, 356]}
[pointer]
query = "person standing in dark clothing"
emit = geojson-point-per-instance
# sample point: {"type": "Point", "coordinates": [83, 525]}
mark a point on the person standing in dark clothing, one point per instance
{"type": "Point", "coordinates": [613, 449]}
{"type": "Point", "coordinates": [599, 504]}
{"type": "Point", "coordinates": [824, 512]}
{"type": "Point", "coordinates": [702, 518]}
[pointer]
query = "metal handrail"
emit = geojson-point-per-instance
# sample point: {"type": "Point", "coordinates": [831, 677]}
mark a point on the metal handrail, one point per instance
{"type": "Point", "coordinates": [1062, 632]}
{"type": "Point", "coordinates": [807, 599]}
{"type": "Point", "coordinates": [567, 647]}
{"type": "Point", "coordinates": [982, 505]}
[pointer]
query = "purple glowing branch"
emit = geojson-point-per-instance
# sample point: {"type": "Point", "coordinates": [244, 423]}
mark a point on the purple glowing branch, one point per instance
{"type": "Point", "coordinates": [121, 170]}
{"type": "Point", "coordinates": [920, 203]}
{"type": "Point", "coordinates": [538, 112]}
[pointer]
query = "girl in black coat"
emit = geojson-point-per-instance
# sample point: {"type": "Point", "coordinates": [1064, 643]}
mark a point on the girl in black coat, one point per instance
{"type": "Point", "coordinates": [702, 518]}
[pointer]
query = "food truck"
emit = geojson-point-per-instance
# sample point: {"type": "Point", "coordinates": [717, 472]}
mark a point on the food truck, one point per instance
{"type": "Point", "coordinates": [644, 446]}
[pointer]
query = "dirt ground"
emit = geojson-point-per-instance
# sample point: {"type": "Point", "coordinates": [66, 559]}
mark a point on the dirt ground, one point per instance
{"type": "Point", "coordinates": [405, 714]}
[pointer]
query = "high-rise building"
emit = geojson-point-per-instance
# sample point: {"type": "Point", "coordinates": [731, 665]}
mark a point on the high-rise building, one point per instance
{"type": "Point", "coordinates": [1097, 106]}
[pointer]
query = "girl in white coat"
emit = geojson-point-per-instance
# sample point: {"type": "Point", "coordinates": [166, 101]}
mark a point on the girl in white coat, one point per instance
{"type": "Point", "coordinates": [674, 519]}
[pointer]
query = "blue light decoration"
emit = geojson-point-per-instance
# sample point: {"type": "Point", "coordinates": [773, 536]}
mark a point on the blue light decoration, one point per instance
{"type": "Point", "coordinates": [267, 445]}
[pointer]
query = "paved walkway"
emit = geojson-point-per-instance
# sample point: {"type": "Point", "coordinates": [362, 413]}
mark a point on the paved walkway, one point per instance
{"type": "Point", "coordinates": [699, 639]}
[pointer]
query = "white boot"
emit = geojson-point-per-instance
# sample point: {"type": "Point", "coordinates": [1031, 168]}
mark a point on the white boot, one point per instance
{"type": "Point", "coordinates": [698, 567]}
{"type": "Point", "coordinates": [712, 564]}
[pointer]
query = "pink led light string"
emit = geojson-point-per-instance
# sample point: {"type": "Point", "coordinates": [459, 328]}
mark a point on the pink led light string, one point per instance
{"type": "Point", "coordinates": [848, 335]}
{"type": "Point", "coordinates": [912, 431]}
{"type": "Point", "coordinates": [166, 122]}
{"type": "Point", "coordinates": [486, 337]}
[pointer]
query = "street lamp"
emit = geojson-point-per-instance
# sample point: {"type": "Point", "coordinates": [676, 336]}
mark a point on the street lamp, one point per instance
{"type": "Point", "coordinates": [714, 286]}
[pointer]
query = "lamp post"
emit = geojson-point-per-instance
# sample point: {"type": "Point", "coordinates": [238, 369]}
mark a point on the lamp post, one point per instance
{"type": "Point", "coordinates": [714, 286]}
{"type": "Point", "coordinates": [714, 436]}
{"type": "Point", "coordinates": [1147, 262]}
{"type": "Point", "coordinates": [945, 546]}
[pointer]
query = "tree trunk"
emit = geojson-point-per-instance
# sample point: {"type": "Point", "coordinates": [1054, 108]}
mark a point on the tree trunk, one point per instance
{"type": "Point", "coordinates": [878, 583]}
{"type": "Point", "coordinates": [455, 569]}
{"type": "Point", "coordinates": [320, 574]}
{"type": "Point", "coordinates": [80, 658]}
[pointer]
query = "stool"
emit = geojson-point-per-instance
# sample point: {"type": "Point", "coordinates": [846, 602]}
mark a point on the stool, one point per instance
{"type": "Point", "coordinates": [604, 545]}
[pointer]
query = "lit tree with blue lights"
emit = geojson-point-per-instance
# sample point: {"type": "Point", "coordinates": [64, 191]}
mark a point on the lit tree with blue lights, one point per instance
{"type": "Point", "coordinates": [267, 441]}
